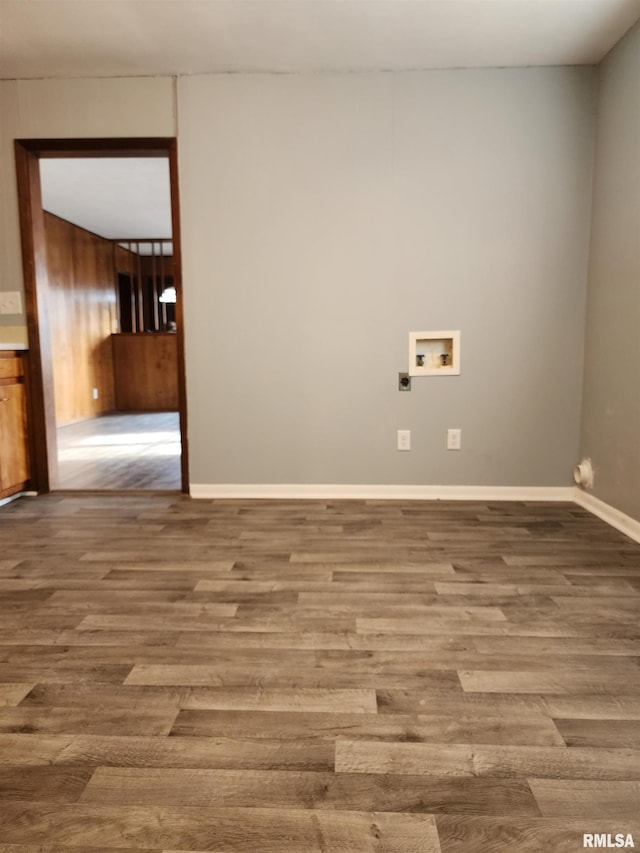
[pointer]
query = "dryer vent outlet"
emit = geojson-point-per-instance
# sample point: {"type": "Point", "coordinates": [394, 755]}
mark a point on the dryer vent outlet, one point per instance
{"type": "Point", "coordinates": [583, 474]}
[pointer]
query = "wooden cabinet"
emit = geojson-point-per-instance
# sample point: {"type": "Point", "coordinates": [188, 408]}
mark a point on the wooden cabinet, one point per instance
{"type": "Point", "coordinates": [14, 443]}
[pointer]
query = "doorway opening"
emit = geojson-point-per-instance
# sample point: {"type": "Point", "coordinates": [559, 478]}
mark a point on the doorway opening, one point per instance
{"type": "Point", "coordinates": [101, 250]}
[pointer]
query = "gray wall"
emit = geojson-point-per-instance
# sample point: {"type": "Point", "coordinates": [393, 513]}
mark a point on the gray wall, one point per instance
{"type": "Point", "coordinates": [325, 217]}
{"type": "Point", "coordinates": [12, 327]}
{"type": "Point", "coordinates": [611, 409]}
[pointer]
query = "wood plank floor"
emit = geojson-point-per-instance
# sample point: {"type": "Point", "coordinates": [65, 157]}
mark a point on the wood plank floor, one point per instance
{"type": "Point", "coordinates": [134, 450]}
{"type": "Point", "coordinates": [315, 676]}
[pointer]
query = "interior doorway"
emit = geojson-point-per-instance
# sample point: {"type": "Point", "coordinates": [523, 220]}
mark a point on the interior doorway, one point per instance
{"type": "Point", "coordinates": [101, 250]}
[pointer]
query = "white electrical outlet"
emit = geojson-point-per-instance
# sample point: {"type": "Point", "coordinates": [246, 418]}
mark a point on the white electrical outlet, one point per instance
{"type": "Point", "coordinates": [404, 439]}
{"type": "Point", "coordinates": [10, 302]}
{"type": "Point", "coordinates": [454, 439]}
{"type": "Point", "coordinates": [95, 394]}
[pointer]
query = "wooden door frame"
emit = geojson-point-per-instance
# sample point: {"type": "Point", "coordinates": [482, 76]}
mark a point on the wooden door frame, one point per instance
{"type": "Point", "coordinates": [34, 258]}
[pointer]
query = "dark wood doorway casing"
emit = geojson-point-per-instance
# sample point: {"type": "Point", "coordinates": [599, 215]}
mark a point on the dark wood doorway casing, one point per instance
{"type": "Point", "coordinates": [42, 408]}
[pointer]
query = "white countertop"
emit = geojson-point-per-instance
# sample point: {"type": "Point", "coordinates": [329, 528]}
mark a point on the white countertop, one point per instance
{"type": "Point", "coordinates": [13, 346]}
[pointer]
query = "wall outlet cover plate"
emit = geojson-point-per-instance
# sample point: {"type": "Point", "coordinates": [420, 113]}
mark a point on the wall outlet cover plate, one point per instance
{"type": "Point", "coordinates": [10, 302]}
{"type": "Point", "coordinates": [404, 382]}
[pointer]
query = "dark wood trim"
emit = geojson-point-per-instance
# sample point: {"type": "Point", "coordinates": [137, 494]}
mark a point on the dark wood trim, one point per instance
{"type": "Point", "coordinates": [117, 147]}
{"type": "Point", "coordinates": [142, 334]}
{"type": "Point", "coordinates": [163, 305]}
{"type": "Point", "coordinates": [40, 364]}
{"type": "Point", "coordinates": [154, 289]}
{"type": "Point", "coordinates": [140, 240]}
{"type": "Point", "coordinates": [140, 292]}
{"type": "Point", "coordinates": [40, 377]}
{"type": "Point", "coordinates": [177, 283]}
{"type": "Point", "coordinates": [116, 283]}
{"type": "Point", "coordinates": [29, 398]}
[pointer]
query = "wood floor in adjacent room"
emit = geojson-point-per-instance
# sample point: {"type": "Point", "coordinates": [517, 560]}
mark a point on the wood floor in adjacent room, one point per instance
{"type": "Point", "coordinates": [315, 677]}
{"type": "Point", "coordinates": [121, 450]}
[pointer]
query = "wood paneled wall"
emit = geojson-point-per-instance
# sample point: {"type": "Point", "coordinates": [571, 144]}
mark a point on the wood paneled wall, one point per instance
{"type": "Point", "coordinates": [82, 314]}
{"type": "Point", "coordinates": [146, 367]}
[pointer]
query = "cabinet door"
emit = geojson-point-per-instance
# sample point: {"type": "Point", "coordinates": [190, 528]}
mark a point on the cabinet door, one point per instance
{"type": "Point", "coordinates": [14, 454]}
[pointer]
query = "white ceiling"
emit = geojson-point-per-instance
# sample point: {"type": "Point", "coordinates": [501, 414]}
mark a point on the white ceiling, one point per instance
{"type": "Point", "coordinates": [72, 38]}
{"type": "Point", "coordinates": [113, 197]}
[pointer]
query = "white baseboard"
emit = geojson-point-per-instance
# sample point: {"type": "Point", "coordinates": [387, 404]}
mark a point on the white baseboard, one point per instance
{"type": "Point", "coordinates": [313, 491]}
{"type": "Point", "coordinates": [322, 491]}
{"type": "Point", "coordinates": [15, 497]}
{"type": "Point", "coordinates": [620, 520]}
